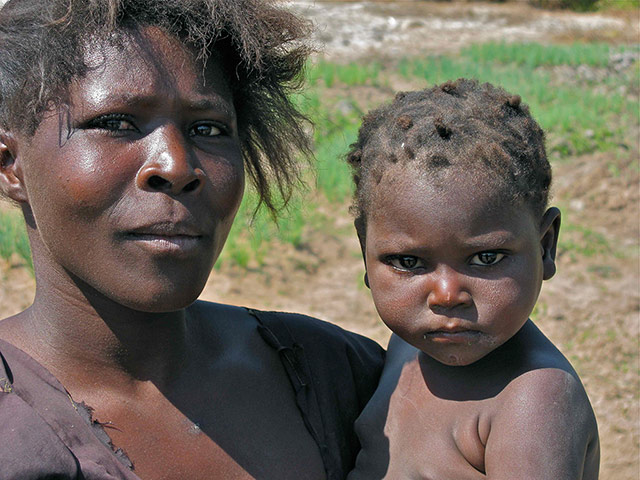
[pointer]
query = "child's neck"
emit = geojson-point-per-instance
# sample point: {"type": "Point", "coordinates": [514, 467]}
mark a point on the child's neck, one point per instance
{"type": "Point", "coordinates": [486, 377]}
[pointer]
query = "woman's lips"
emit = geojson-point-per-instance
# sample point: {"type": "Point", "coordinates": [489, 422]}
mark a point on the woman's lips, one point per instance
{"type": "Point", "coordinates": [165, 244]}
{"type": "Point", "coordinates": [165, 238]}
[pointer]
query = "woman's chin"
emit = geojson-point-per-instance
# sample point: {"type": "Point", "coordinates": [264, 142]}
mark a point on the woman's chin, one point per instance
{"type": "Point", "coordinates": [155, 297]}
{"type": "Point", "coordinates": [163, 303]}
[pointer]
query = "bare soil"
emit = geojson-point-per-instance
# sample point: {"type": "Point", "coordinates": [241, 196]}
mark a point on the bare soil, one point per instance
{"type": "Point", "coordinates": [590, 310]}
{"type": "Point", "coordinates": [349, 30]}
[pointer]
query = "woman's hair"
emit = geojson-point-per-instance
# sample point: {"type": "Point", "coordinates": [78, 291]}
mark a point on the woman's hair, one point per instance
{"type": "Point", "coordinates": [480, 128]}
{"type": "Point", "coordinates": [43, 45]}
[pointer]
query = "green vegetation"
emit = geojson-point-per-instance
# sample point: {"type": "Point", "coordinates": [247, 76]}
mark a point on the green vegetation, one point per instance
{"type": "Point", "coordinates": [13, 238]}
{"type": "Point", "coordinates": [350, 75]}
{"type": "Point", "coordinates": [618, 4]}
{"type": "Point", "coordinates": [577, 5]}
{"type": "Point", "coordinates": [581, 113]}
{"type": "Point", "coordinates": [536, 55]}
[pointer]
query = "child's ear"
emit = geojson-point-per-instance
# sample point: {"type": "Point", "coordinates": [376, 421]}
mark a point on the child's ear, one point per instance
{"type": "Point", "coordinates": [549, 230]}
{"type": "Point", "coordinates": [360, 230]}
{"type": "Point", "coordinates": [11, 183]}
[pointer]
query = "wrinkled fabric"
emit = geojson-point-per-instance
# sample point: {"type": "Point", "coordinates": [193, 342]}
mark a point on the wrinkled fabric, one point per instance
{"type": "Point", "coordinates": [44, 434]}
{"type": "Point", "coordinates": [333, 374]}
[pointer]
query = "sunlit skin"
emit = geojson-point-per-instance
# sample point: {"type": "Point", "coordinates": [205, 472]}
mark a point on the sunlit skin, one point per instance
{"type": "Point", "coordinates": [471, 388]}
{"type": "Point", "coordinates": [451, 271]}
{"type": "Point", "coordinates": [129, 193]}
{"type": "Point", "coordinates": [143, 178]}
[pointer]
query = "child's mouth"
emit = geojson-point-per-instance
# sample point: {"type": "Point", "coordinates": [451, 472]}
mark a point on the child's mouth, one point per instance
{"type": "Point", "coordinates": [457, 336]}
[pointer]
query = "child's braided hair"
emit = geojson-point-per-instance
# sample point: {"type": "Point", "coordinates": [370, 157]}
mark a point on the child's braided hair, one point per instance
{"type": "Point", "coordinates": [478, 127]}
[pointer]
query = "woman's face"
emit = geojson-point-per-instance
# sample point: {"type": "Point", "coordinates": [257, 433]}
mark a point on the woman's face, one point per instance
{"type": "Point", "coordinates": [134, 188]}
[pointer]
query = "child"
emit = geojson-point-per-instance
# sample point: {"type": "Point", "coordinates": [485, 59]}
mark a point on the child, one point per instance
{"type": "Point", "coordinates": [451, 212]}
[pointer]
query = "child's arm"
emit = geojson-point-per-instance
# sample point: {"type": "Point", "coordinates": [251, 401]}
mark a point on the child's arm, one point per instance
{"type": "Point", "coordinates": [545, 429]}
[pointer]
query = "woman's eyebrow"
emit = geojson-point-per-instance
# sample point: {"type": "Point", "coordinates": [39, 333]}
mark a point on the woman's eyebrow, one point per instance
{"type": "Point", "coordinates": [200, 104]}
{"type": "Point", "coordinates": [211, 103]}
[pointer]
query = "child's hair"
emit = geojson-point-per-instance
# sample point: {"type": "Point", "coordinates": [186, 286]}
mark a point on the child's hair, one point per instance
{"type": "Point", "coordinates": [262, 47]}
{"type": "Point", "coordinates": [481, 128]}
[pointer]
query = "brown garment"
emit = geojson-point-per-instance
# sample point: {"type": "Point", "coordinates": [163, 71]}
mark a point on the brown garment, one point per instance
{"type": "Point", "coordinates": [45, 434]}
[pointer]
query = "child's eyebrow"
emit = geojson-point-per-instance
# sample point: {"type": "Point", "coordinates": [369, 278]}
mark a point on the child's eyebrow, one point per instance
{"type": "Point", "coordinates": [494, 239]}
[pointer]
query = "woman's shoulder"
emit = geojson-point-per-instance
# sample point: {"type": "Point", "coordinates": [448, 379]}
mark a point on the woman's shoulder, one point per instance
{"type": "Point", "coordinates": [333, 372]}
{"type": "Point", "coordinates": [304, 330]}
{"type": "Point", "coordinates": [329, 353]}
{"type": "Point", "coordinates": [311, 329]}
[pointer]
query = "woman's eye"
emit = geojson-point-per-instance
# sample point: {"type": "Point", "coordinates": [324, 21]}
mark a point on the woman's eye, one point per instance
{"type": "Point", "coordinates": [405, 262]}
{"type": "Point", "coordinates": [205, 130]}
{"type": "Point", "coordinates": [113, 123]}
{"type": "Point", "coordinates": [486, 258]}
{"type": "Point", "coordinates": [116, 125]}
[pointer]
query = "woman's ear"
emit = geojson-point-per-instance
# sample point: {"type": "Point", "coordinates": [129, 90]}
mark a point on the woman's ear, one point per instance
{"type": "Point", "coordinates": [11, 183]}
{"type": "Point", "coordinates": [549, 230]}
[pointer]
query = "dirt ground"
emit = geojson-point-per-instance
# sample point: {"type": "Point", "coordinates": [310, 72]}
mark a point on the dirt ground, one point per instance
{"type": "Point", "coordinates": [590, 309]}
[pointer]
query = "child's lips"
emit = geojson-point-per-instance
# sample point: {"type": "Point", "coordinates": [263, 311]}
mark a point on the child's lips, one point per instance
{"type": "Point", "coordinates": [452, 335]}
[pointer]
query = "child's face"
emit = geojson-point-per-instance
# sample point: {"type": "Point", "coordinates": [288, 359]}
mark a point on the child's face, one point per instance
{"type": "Point", "coordinates": [452, 270]}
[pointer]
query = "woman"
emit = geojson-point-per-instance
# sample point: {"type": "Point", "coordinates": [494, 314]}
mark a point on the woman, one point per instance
{"type": "Point", "coordinates": [126, 127]}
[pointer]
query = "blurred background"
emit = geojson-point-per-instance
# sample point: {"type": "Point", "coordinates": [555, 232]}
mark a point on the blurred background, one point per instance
{"type": "Point", "coordinates": [575, 62]}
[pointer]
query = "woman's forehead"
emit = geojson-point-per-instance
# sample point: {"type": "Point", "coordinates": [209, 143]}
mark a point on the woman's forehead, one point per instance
{"type": "Point", "coordinates": [149, 63]}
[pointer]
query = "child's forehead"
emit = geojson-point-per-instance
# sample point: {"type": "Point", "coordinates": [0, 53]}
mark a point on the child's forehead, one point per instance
{"type": "Point", "coordinates": [445, 213]}
{"type": "Point", "coordinates": [457, 181]}
{"type": "Point", "coordinates": [409, 192]}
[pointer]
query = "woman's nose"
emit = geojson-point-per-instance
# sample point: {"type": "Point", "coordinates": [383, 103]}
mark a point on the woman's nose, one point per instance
{"type": "Point", "coordinates": [448, 290]}
{"type": "Point", "coordinates": [170, 165]}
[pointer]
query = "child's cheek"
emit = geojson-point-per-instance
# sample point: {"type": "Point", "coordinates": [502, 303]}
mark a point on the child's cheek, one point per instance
{"type": "Point", "coordinates": [398, 298]}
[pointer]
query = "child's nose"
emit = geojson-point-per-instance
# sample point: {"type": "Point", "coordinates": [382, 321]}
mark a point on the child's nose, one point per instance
{"type": "Point", "coordinates": [169, 165]}
{"type": "Point", "coordinates": [448, 289]}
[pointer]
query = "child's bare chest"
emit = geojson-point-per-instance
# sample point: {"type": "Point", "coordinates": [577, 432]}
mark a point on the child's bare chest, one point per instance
{"type": "Point", "coordinates": [435, 438]}
{"type": "Point", "coordinates": [426, 437]}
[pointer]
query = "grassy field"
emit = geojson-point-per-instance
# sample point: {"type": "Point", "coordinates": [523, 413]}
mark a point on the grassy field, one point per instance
{"type": "Point", "coordinates": [13, 238]}
{"type": "Point", "coordinates": [581, 113]}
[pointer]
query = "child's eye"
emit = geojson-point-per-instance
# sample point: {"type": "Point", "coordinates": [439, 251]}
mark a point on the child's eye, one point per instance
{"type": "Point", "coordinates": [113, 123]}
{"type": "Point", "coordinates": [486, 258]}
{"type": "Point", "coordinates": [205, 130]}
{"type": "Point", "coordinates": [405, 262]}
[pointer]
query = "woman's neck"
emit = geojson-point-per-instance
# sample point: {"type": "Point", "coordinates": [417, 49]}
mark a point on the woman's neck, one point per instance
{"type": "Point", "coordinates": [71, 325]}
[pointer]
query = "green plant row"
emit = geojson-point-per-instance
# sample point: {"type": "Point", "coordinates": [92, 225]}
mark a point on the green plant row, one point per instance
{"type": "Point", "coordinates": [536, 55]}
{"type": "Point", "coordinates": [13, 238]}
{"type": "Point", "coordinates": [350, 74]}
{"type": "Point", "coordinates": [579, 118]}
{"type": "Point", "coordinates": [583, 118]}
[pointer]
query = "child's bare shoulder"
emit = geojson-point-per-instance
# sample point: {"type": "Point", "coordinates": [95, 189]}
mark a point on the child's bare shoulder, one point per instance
{"type": "Point", "coordinates": [542, 421]}
{"type": "Point", "coordinates": [542, 401]}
